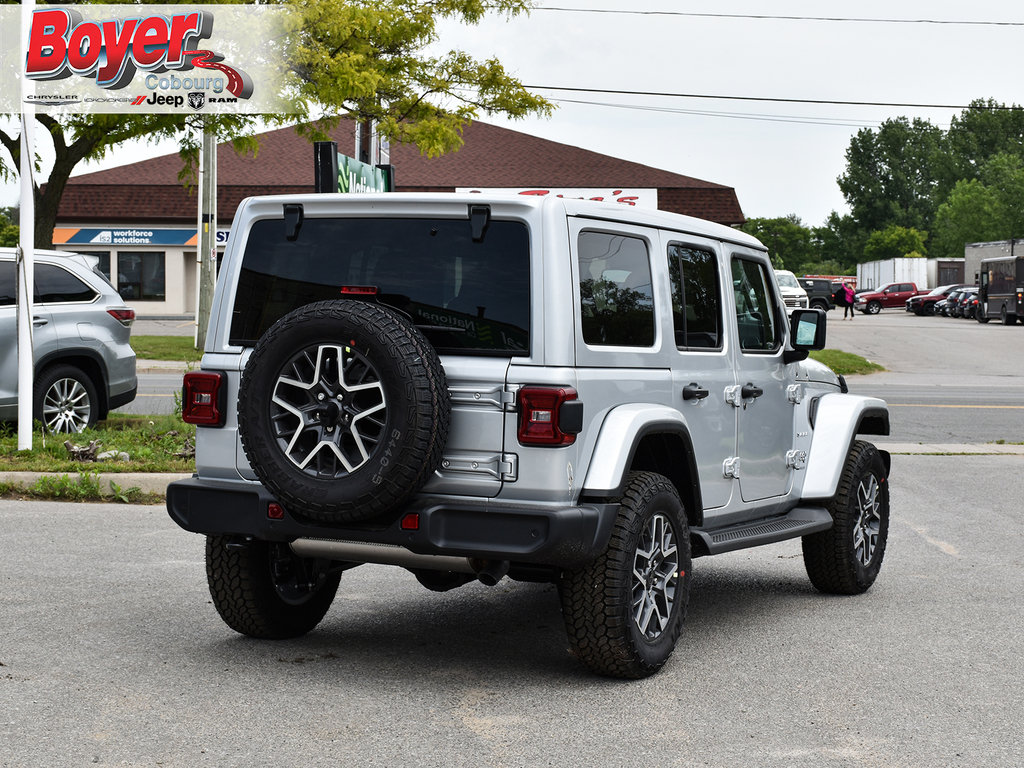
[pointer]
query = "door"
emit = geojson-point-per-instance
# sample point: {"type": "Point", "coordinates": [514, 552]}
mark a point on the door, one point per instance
{"type": "Point", "coordinates": [765, 414]}
{"type": "Point", "coordinates": [702, 371]}
{"type": "Point", "coordinates": [44, 337]}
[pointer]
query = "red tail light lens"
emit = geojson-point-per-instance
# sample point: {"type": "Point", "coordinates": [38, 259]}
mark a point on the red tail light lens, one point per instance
{"type": "Point", "coordinates": [124, 315]}
{"type": "Point", "coordinates": [202, 401]}
{"type": "Point", "coordinates": [544, 418]}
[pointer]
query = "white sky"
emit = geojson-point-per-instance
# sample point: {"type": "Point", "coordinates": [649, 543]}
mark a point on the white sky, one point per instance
{"type": "Point", "coordinates": [777, 166]}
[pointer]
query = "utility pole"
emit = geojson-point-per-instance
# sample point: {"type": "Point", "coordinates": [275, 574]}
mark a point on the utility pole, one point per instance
{"type": "Point", "coordinates": [26, 253]}
{"type": "Point", "coordinates": [207, 228]}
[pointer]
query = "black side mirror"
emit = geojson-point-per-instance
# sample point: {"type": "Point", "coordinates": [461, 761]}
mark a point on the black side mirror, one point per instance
{"type": "Point", "coordinates": [806, 332]}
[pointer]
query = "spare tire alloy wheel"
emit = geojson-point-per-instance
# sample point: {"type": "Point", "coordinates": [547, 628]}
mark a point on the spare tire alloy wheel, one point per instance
{"type": "Point", "coordinates": [66, 400]}
{"type": "Point", "coordinates": [343, 410]}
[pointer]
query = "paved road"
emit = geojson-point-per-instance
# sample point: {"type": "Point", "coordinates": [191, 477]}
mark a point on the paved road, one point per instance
{"type": "Point", "coordinates": [111, 654]}
{"type": "Point", "coordinates": [947, 381]}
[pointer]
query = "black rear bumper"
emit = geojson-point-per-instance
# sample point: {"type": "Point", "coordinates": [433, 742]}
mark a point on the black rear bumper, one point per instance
{"type": "Point", "coordinates": [566, 536]}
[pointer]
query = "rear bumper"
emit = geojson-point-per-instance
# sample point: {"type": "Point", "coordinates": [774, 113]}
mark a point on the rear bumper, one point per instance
{"type": "Point", "coordinates": [567, 536]}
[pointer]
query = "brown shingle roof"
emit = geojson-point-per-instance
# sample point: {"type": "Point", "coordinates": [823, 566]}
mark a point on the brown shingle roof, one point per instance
{"type": "Point", "coordinates": [491, 157]}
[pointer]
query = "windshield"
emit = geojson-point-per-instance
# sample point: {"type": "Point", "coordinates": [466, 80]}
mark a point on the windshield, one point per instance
{"type": "Point", "coordinates": [786, 280]}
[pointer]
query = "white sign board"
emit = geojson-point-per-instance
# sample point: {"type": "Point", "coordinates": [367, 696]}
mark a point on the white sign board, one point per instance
{"type": "Point", "coordinates": [643, 198]}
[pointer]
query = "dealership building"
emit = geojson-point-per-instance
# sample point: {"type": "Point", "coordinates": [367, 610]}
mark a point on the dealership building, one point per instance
{"type": "Point", "coordinates": [140, 220]}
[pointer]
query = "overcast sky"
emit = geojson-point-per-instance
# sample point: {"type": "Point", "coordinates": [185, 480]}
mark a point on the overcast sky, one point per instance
{"type": "Point", "coordinates": [781, 158]}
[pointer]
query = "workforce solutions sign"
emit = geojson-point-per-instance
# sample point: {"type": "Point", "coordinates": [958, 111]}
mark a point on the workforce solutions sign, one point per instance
{"type": "Point", "coordinates": [151, 58]}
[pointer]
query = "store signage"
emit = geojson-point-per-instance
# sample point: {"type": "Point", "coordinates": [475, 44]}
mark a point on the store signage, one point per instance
{"type": "Point", "coordinates": [335, 172]}
{"type": "Point", "coordinates": [130, 236]}
{"type": "Point", "coordinates": [641, 197]}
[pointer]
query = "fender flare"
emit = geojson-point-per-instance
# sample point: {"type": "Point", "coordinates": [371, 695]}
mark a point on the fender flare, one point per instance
{"type": "Point", "coordinates": [626, 426]}
{"type": "Point", "coordinates": [837, 420]}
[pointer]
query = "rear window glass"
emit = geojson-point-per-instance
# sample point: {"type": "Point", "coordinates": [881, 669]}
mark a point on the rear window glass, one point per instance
{"type": "Point", "coordinates": [55, 285]}
{"type": "Point", "coordinates": [466, 297]}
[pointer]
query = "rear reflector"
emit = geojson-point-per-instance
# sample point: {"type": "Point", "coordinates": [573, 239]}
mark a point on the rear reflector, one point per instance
{"type": "Point", "coordinates": [411, 522]}
{"type": "Point", "coordinates": [541, 419]}
{"type": "Point", "coordinates": [202, 398]}
{"type": "Point", "coordinates": [275, 511]}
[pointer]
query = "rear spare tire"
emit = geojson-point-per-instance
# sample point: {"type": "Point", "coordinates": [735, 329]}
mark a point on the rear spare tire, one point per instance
{"type": "Point", "coordinates": [343, 410]}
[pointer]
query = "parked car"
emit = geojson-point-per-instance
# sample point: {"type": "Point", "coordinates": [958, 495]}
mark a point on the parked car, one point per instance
{"type": "Point", "coordinates": [945, 306]}
{"type": "Point", "coordinates": [481, 386]}
{"type": "Point", "coordinates": [967, 303]}
{"type": "Point", "coordinates": [924, 304]}
{"type": "Point", "coordinates": [84, 365]}
{"type": "Point", "coordinates": [887, 296]}
{"type": "Point", "coordinates": [793, 295]}
{"type": "Point", "coordinates": [819, 292]}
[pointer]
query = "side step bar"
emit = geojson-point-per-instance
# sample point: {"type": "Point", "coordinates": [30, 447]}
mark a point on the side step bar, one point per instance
{"type": "Point", "coordinates": [799, 521]}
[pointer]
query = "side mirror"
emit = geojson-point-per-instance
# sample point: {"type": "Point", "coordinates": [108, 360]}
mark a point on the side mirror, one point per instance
{"type": "Point", "coordinates": [806, 332]}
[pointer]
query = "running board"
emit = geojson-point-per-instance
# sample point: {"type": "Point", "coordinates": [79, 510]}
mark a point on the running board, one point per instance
{"type": "Point", "coordinates": [799, 521]}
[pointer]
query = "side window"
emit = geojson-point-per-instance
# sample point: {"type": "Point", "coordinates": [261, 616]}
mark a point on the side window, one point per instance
{"type": "Point", "coordinates": [616, 294]}
{"type": "Point", "coordinates": [756, 321]}
{"type": "Point", "coordinates": [8, 296]}
{"type": "Point", "coordinates": [54, 285]}
{"type": "Point", "coordinates": [696, 297]}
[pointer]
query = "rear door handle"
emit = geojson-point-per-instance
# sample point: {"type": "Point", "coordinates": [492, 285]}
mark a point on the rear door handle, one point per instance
{"type": "Point", "coordinates": [694, 391]}
{"type": "Point", "coordinates": [749, 391]}
{"type": "Point", "coordinates": [38, 321]}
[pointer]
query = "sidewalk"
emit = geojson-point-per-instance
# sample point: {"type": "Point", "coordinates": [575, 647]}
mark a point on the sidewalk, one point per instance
{"type": "Point", "coordinates": [156, 483]}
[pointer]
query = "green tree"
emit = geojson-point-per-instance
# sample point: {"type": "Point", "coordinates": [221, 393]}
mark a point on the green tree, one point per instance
{"type": "Point", "coordinates": [983, 130]}
{"type": "Point", "coordinates": [8, 229]}
{"type": "Point", "coordinates": [362, 59]}
{"type": "Point", "coordinates": [895, 242]}
{"type": "Point", "coordinates": [787, 239]}
{"type": "Point", "coordinates": [890, 175]}
{"type": "Point", "coordinates": [971, 214]}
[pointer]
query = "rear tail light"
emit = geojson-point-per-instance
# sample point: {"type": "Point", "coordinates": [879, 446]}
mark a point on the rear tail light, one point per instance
{"type": "Point", "coordinates": [549, 416]}
{"type": "Point", "coordinates": [124, 315]}
{"type": "Point", "coordinates": [202, 401]}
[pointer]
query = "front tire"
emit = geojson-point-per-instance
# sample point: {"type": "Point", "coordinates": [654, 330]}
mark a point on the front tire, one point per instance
{"type": "Point", "coordinates": [845, 559]}
{"type": "Point", "coordinates": [624, 611]}
{"type": "Point", "coordinates": [263, 590]}
{"type": "Point", "coordinates": [873, 308]}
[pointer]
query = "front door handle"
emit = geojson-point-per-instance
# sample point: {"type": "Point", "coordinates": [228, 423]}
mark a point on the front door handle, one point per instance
{"type": "Point", "coordinates": [38, 321]}
{"type": "Point", "coordinates": [749, 391]}
{"type": "Point", "coordinates": [694, 391]}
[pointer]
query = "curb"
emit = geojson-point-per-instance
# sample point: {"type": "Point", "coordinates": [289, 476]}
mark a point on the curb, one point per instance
{"type": "Point", "coordinates": [956, 449]}
{"type": "Point", "coordinates": [147, 482]}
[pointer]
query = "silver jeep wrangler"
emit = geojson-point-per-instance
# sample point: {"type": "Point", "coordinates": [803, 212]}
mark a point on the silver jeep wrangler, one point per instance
{"type": "Point", "coordinates": [479, 386]}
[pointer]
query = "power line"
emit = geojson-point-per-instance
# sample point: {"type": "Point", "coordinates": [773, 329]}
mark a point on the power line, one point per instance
{"type": "Point", "coordinates": [798, 119]}
{"type": "Point", "coordinates": [861, 20]}
{"type": "Point", "coordinates": [721, 97]}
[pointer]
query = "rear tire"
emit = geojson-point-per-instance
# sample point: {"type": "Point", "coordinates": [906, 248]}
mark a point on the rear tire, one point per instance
{"type": "Point", "coordinates": [262, 589]}
{"type": "Point", "coordinates": [845, 559]}
{"type": "Point", "coordinates": [624, 611]}
{"type": "Point", "coordinates": [65, 401]}
{"type": "Point", "coordinates": [1007, 318]}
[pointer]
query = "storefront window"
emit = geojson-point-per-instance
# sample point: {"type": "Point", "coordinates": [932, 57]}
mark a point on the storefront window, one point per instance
{"type": "Point", "coordinates": [140, 275]}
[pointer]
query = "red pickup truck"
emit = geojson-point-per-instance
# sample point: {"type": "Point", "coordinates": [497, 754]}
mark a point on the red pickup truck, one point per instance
{"type": "Point", "coordinates": [886, 297]}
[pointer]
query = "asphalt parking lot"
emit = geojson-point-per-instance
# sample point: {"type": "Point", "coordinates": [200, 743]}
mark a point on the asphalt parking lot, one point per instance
{"type": "Point", "coordinates": [112, 654]}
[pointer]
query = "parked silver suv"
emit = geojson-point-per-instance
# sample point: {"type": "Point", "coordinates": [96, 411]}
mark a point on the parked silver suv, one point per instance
{"type": "Point", "coordinates": [84, 365]}
{"type": "Point", "coordinates": [474, 386]}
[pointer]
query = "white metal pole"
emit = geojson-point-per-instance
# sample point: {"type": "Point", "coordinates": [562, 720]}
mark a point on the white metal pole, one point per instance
{"type": "Point", "coordinates": [26, 251]}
